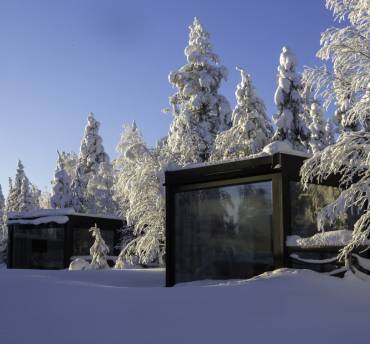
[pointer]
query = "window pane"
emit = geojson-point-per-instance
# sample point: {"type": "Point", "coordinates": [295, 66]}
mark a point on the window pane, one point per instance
{"type": "Point", "coordinates": [38, 248]}
{"type": "Point", "coordinates": [306, 204]}
{"type": "Point", "coordinates": [223, 232]}
{"type": "Point", "coordinates": [83, 240]}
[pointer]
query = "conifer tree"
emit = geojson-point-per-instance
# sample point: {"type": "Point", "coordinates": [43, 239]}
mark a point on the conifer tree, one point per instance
{"type": "Point", "coordinates": [98, 250]}
{"type": "Point", "coordinates": [100, 191]}
{"type": "Point", "coordinates": [61, 196]}
{"type": "Point", "coordinates": [289, 120]}
{"type": "Point", "coordinates": [91, 155]}
{"type": "Point", "coordinates": [330, 132]}
{"type": "Point", "coordinates": [318, 137]}
{"type": "Point", "coordinates": [125, 165]}
{"type": "Point", "coordinates": [251, 128]}
{"type": "Point", "coordinates": [199, 111]}
{"type": "Point", "coordinates": [20, 196]}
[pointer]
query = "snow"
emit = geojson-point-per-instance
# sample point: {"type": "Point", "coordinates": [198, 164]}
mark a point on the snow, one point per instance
{"type": "Point", "coordinates": [284, 306]}
{"type": "Point", "coordinates": [45, 219]}
{"type": "Point", "coordinates": [79, 264]}
{"type": "Point", "coordinates": [282, 147]}
{"type": "Point", "coordinates": [54, 212]}
{"type": "Point", "coordinates": [322, 239]}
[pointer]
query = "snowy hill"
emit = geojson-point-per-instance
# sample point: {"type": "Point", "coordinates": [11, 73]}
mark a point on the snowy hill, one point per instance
{"type": "Point", "coordinates": [286, 306]}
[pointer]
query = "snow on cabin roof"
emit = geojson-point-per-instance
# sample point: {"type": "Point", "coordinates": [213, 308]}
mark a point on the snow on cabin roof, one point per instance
{"type": "Point", "coordinates": [43, 213]}
{"type": "Point", "coordinates": [270, 150]}
{"type": "Point", "coordinates": [40, 220]}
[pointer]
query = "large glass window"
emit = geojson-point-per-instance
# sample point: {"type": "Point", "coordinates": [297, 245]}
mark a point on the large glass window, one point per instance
{"type": "Point", "coordinates": [38, 248]}
{"type": "Point", "coordinates": [223, 232]}
{"type": "Point", "coordinates": [83, 240]}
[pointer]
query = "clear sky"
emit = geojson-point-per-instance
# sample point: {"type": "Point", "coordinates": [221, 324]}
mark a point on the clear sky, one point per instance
{"type": "Point", "coordinates": [61, 59]}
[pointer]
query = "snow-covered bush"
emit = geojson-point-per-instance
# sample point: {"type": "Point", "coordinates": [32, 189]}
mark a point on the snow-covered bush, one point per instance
{"type": "Point", "coordinates": [251, 129]}
{"type": "Point", "coordinates": [79, 264]}
{"type": "Point", "coordinates": [61, 193]}
{"type": "Point", "coordinates": [98, 250]}
{"type": "Point", "coordinates": [290, 122]}
{"type": "Point", "coordinates": [347, 85]}
{"type": "Point", "coordinates": [199, 111]}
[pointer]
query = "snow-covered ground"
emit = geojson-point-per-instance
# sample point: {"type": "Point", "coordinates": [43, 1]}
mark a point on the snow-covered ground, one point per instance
{"type": "Point", "coordinates": [285, 306]}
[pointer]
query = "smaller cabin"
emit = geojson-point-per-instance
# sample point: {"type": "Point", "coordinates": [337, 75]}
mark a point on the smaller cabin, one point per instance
{"type": "Point", "coordinates": [52, 238]}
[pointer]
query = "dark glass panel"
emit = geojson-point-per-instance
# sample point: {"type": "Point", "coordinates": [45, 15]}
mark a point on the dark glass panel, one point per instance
{"type": "Point", "coordinates": [83, 240]}
{"type": "Point", "coordinates": [223, 232]}
{"type": "Point", "coordinates": [38, 248]}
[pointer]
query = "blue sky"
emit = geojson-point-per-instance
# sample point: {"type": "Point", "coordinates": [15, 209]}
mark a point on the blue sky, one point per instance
{"type": "Point", "coordinates": [61, 59]}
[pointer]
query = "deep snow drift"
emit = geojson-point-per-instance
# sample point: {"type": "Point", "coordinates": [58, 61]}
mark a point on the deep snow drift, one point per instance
{"type": "Point", "coordinates": [285, 306]}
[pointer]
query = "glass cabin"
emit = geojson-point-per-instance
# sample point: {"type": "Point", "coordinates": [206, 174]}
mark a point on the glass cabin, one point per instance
{"type": "Point", "coordinates": [239, 219]}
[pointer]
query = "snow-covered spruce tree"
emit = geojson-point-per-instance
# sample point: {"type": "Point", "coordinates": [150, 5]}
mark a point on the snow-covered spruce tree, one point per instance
{"type": "Point", "coordinates": [290, 121]}
{"type": "Point", "coordinates": [199, 111]}
{"type": "Point", "coordinates": [98, 250]}
{"type": "Point", "coordinates": [100, 191]}
{"type": "Point", "coordinates": [61, 196]}
{"type": "Point", "coordinates": [347, 48]}
{"type": "Point", "coordinates": [20, 196]}
{"type": "Point", "coordinates": [140, 180]}
{"type": "Point", "coordinates": [91, 155]}
{"type": "Point", "coordinates": [251, 128]}
{"type": "Point", "coordinates": [318, 137]}
{"type": "Point", "coordinates": [126, 167]}
{"type": "Point", "coordinates": [69, 160]}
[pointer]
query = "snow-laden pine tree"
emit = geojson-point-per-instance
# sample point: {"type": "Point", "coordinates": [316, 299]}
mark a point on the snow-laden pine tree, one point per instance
{"type": "Point", "coordinates": [140, 183]}
{"type": "Point", "coordinates": [290, 121]}
{"type": "Point", "coordinates": [69, 160]}
{"type": "Point", "coordinates": [318, 137]}
{"type": "Point", "coordinates": [199, 111]}
{"type": "Point", "coordinates": [251, 128]}
{"type": "Point", "coordinates": [100, 191]}
{"type": "Point", "coordinates": [20, 196]}
{"type": "Point", "coordinates": [99, 250]}
{"type": "Point", "coordinates": [61, 196]}
{"type": "Point", "coordinates": [91, 155]}
{"type": "Point", "coordinates": [347, 48]}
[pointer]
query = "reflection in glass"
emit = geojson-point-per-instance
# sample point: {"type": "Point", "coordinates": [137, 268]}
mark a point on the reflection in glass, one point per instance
{"type": "Point", "coordinates": [38, 248]}
{"type": "Point", "coordinates": [83, 240]}
{"type": "Point", "coordinates": [223, 232]}
{"type": "Point", "coordinates": [306, 204]}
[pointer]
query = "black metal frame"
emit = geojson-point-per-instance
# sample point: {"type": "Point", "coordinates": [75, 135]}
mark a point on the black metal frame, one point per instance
{"type": "Point", "coordinates": [75, 221]}
{"type": "Point", "coordinates": [281, 169]}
